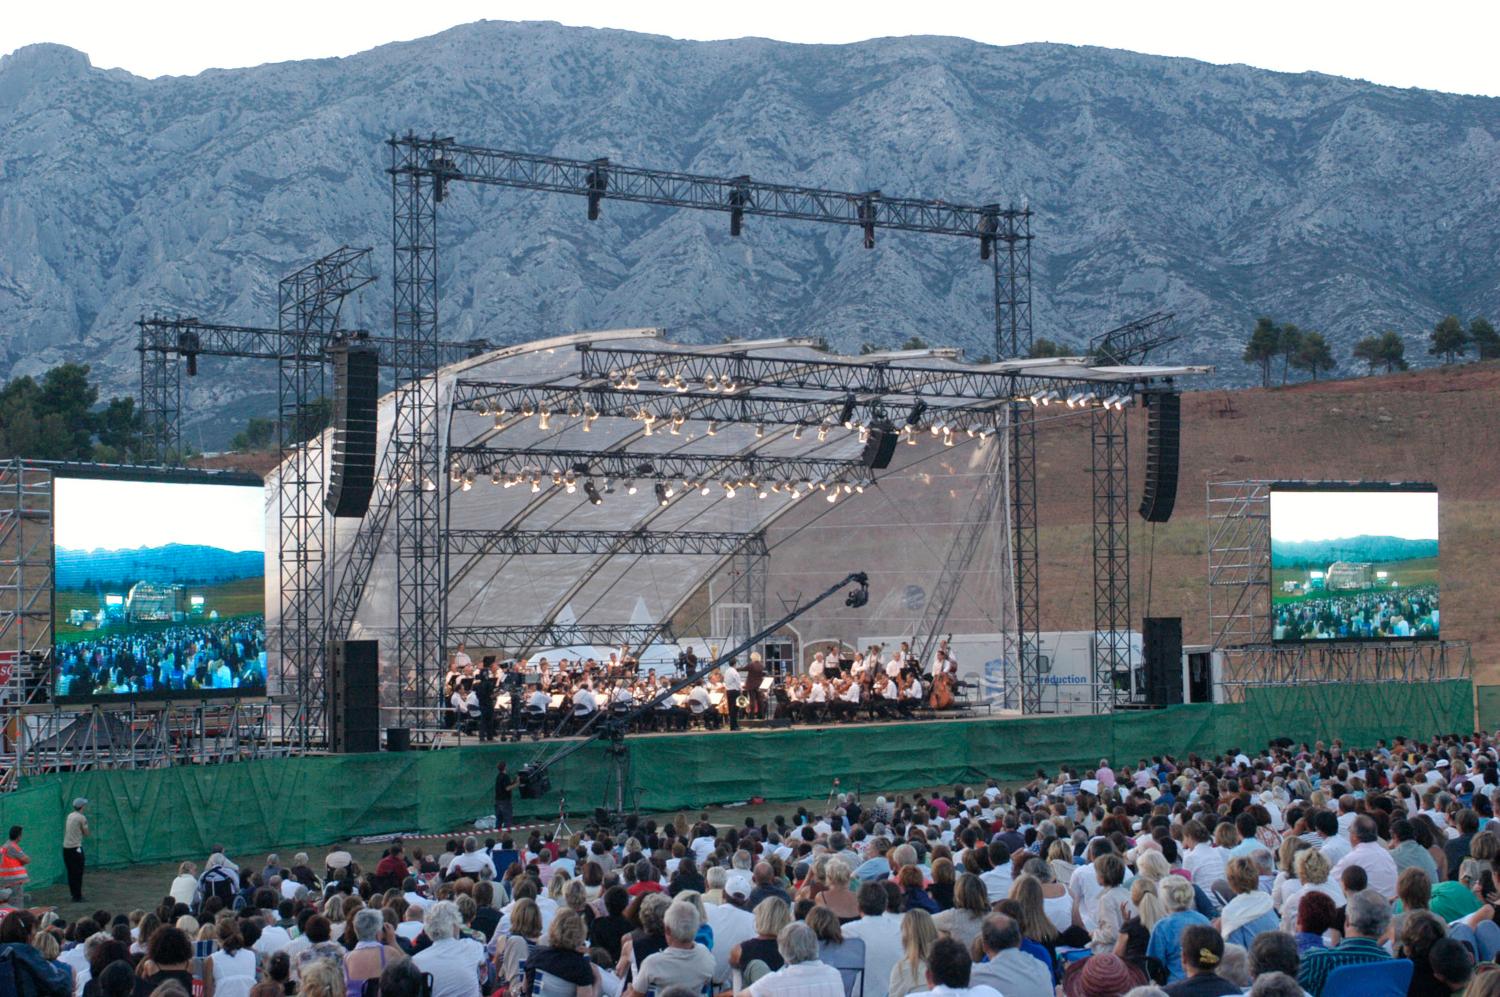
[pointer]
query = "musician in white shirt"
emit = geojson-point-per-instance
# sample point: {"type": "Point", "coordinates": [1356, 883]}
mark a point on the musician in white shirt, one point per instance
{"type": "Point", "coordinates": [894, 666]}
{"type": "Point", "coordinates": [733, 686]}
{"type": "Point", "coordinates": [815, 670]}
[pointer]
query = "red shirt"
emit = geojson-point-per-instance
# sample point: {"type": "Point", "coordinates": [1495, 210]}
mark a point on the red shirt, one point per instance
{"type": "Point", "coordinates": [640, 889]}
{"type": "Point", "coordinates": [392, 865]}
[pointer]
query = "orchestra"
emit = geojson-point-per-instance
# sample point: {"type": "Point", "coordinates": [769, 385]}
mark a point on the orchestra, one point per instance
{"type": "Point", "coordinates": [565, 697]}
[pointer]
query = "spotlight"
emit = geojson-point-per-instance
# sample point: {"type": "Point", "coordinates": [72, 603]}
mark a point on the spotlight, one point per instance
{"type": "Point", "coordinates": [428, 485]}
{"type": "Point", "coordinates": [679, 383]}
{"type": "Point", "coordinates": [864, 434]}
{"type": "Point", "coordinates": [542, 421]}
{"type": "Point", "coordinates": [677, 420]}
{"type": "Point", "coordinates": [846, 414]}
{"type": "Point", "coordinates": [822, 433]}
{"type": "Point", "coordinates": [833, 496]}
{"type": "Point", "coordinates": [495, 476]}
{"type": "Point", "coordinates": [859, 596]}
{"type": "Point", "coordinates": [727, 385]}
{"type": "Point", "coordinates": [760, 431]}
{"type": "Point", "coordinates": [710, 381]}
{"type": "Point", "coordinates": [728, 490]}
{"type": "Point", "coordinates": [632, 382]}
{"type": "Point", "coordinates": [536, 484]}
{"type": "Point", "coordinates": [797, 433]}
{"type": "Point", "coordinates": [500, 419]}
{"type": "Point", "coordinates": [762, 493]}
{"type": "Point", "coordinates": [669, 490]}
{"type": "Point", "coordinates": [662, 495]}
{"type": "Point", "coordinates": [915, 415]}
{"type": "Point", "coordinates": [527, 409]}
{"type": "Point", "coordinates": [911, 435]}
{"type": "Point", "coordinates": [570, 484]}
{"type": "Point", "coordinates": [629, 487]}
{"type": "Point", "coordinates": [573, 410]}
{"type": "Point", "coordinates": [468, 482]}
{"type": "Point", "coordinates": [593, 493]}
{"type": "Point", "coordinates": [947, 437]}
{"type": "Point", "coordinates": [704, 489]}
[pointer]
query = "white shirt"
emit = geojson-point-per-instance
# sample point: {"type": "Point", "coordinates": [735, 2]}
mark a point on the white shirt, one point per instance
{"type": "Point", "coordinates": [538, 701]}
{"type": "Point", "coordinates": [418, 901]}
{"type": "Point", "coordinates": [732, 680]}
{"type": "Point", "coordinates": [454, 964]}
{"type": "Point", "coordinates": [882, 937]}
{"type": "Point", "coordinates": [851, 694]}
{"type": "Point", "coordinates": [185, 885]}
{"type": "Point", "coordinates": [890, 691]}
{"type": "Point", "coordinates": [1376, 861]}
{"type": "Point", "coordinates": [997, 883]}
{"type": "Point", "coordinates": [471, 862]}
{"type": "Point", "coordinates": [1083, 886]}
{"type": "Point", "coordinates": [1334, 850]}
{"type": "Point", "coordinates": [702, 846]}
{"type": "Point", "coordinates": [1203, 861]}
{"type": "Point", "coordinates": [815, 670]}
{"type": "Point", "coordinates": [731, 926]}
{"type": "Point", "coordinates": [584, 702]}
{"type": "Point", "coordinates": [273, 938]}
{"type": "Point", "coordinates": [805, 979]}
{"type": "Point", "coordinates": [893, 667]}
{"type": "Point", "coordinates": [979, 991]}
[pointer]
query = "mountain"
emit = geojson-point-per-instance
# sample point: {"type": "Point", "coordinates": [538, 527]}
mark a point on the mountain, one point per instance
{"type": "Point", "coordinates": [1321, 553]}
{"type": "Point", "coordinates": [1220, 192]}
{"type": "Point", "coordinates": [187, 563]}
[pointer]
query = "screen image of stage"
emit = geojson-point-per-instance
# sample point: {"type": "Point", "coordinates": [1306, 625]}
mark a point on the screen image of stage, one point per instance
{"type": "Point", "coordinates": [1354, 562]}
{"type": "Point", "coordinates": [159, 587]}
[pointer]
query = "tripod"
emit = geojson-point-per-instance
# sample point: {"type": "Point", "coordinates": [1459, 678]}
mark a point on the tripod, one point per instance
{"type": "Point", "coordinates": [562, 831]}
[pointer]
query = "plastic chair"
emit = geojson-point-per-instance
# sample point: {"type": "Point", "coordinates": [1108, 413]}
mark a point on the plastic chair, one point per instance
{"type": "Point", "coordinates": [1487, 936]}
{"type": "Point", "coordinates": [1386, 978]}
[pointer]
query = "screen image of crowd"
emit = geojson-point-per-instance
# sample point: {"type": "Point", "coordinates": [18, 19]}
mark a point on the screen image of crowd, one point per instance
{"type": "Point", "coordinates": [197, 658]}
{"type": "Point", "coordinates": [1375, 614]}
{"type": "Point", "coordinates": [1316, 869]}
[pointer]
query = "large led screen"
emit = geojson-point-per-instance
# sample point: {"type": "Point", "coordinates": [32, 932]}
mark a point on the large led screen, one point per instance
{"type": "Point", "coordinates": [1354, 562]}
{"type": "Point", "coordinates": [159, 587]}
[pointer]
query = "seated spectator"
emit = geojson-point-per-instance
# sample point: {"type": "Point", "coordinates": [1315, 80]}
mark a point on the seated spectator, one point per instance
{"type": "Point", "coordinates": [683, 962]}
{"type": "Point", "coordinates": [1274, 952]}
{"type": "Point", "coordinates": [1202, 954]}
{"type": "Point", "coordinates": [1177, 897]}
{"type": "Point", "coordinates": [169, 956]}
{"type": "Point", "coordinates": [1365, 921]}
{"type": "Point", "coordinates": [771, 915]}
{"type": "Point", "coordinates": [1447, 969]}
{"type": "Point", "coordinates": [965, 916]}
{"type": "Point", "coordinates": [33, 974]}
{"type": "Point", "coordinates": [374, 948]}
{"type": "Point", "coordinates": [454, 962]}
{"type": "Point", "coordinates": [564, 956]}
{"type": "Point", "coordinates": [1249, 912]}
{"type": "Point", "coordinates": [1312, 874]}
{"type": "Point", "coordinates": [230, 971]}
{"type": "Point", "coordinates": [1006, 968]}
{"type": "Point", "coordinates": [949, 969]}
{"type": "Point", "coordinates": [1316, 916]}
{"type": "Point", "coordinates": [917, 936]}
{"type": "Point", "coordinates": [801, 974]}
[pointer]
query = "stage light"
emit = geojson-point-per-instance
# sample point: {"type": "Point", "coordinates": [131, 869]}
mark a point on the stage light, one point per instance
{"type": "Point", "coordinates": [536, 484]}
{"type": "Point", "coordinates": [468, 482]}
{"type": "Point", "coordinates": [728, 490]}
{"type": "Point", "coordinates": [632, 382]}
{"type": "Point", "coordinates": [833, 496]}
{"type": "Point", "coordinates": [847, 412]}
{"type": "Point", "coordinates": [500, 419]}
{"type": "Point", "coordinates": [760, 431]}
{"type": "Point", "coordinates": [454, 475]}
{"type": "Point", "coordinates": [710, 381]}
{"type": "Point", "coordinates": [527, 409]}
{"type": "Point", "coordinates": [947, 437]}
{"type": "Point", "coordinates": [593, 493]}
{"type": "Point", "coordinates": [915, 415]}
{"type": "Point", "coordinates": [704, 489]}
{"type": "Point", "coordinates": [667, 486]}
{"type": "Point", "coordinates": [713, 427]}
{"type": "Point", "coordinates": [859, 487]}
{"type": "Point", "coordinates": [663, 377]}
{"type": "Point", "coordinates": [616, 380]}
{"type": "Point", "coordinates": [629, 487]}
{"type": "Point", "coordinates": [677, 420]}
{"type": "Point", "coordinates": [480, 408]}
{"type": "Point", "coordinates": [911, 435]}
{"type": "Point", "coordinates": [822, 433]}
{"type": "Point", "coordinates": [797, 433]}
{"type": "Point", "coordinates": [494, 476]}
{"type": "Point", "coordinates": [662, 495]}
{"type": "Point", "coordinates": [573, 410]}
{"type": "Point", "coordinates": [679, 383]}
{"type": "Point", "coordinates": [864, 434]}
{"type": "Point", "coordinates": [761, 492]}
{"type": "Point", "coordinates": [727, 385]}
{"type": "Point", "coordinates": [556, 476]}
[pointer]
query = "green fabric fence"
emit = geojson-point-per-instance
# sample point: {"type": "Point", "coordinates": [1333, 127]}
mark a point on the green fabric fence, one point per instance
{"type": "Point", "coordinates": [163, 814]}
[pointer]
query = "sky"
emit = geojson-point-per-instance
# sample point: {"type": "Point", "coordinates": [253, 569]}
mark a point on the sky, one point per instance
{"type": "Point", "coordinates": [104, 514]}
{"type": "Point", "coordinates": [1445, 46]}
{"type": "Point", "coordinates": [1302, 515]}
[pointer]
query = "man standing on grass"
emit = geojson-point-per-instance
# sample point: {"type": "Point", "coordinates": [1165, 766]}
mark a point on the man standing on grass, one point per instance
{"type": "Point", "coordinates": [75, 829]}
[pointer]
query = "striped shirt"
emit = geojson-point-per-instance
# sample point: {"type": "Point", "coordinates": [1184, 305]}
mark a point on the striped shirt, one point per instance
{"type": "Point", "coordinates": [1317, 964]}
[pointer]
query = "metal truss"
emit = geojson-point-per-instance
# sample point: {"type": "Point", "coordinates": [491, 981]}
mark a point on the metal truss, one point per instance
{"type": "Point", "coordinates": [147, 735]}
{"type": "Point", "coordinates": [589, 401]}
{"type": "Point", "coordinates": [177, 336]}
{"type": "Point", "coordinates": [1113, 680]}
{"type": "Point", "coordinates": [1036, 695]}
{"type": "Point", "coordinates": [1239, 562]}
{"type": "Point", "coordinates": [542, 466]}
{"type": "Point", "coordinates": [447, 161]}
{"type": "Point", "coordinates": [1343, 663]}
{"type": "Point", "coordinates": [421, 589]}
{"type": "Point", "coordinates": [627, 635]}
{"type": "Point", "coordinates": [1131, 342]}
{"type": "Point", "coordinates": [638, 542]}
{"type": "Point", "coordinates": [422, 170]}
{"type": "Point", "coordinates": [308, 307]}
{"type": "Point", "coordinates": [734, 372]}
{"type": "Point", "coordinates": [25, 604]}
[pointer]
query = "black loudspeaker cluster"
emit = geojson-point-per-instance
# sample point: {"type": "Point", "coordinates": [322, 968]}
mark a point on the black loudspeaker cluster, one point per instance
{"type": "Point", "coordinates": [881, 446]}
{"type": "Point", "coordinates": [1161, 640]}
{"type": "Point", "coordinates": [356, 399]}
{"type": "Point", "coordinates": [1163, 446]}
{"type": "Point", "coordinates": [354, 695]}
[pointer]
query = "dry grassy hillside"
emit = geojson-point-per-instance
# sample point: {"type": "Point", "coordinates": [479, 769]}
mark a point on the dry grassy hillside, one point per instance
{"type": "Point", "coordinates": [1432, 425]}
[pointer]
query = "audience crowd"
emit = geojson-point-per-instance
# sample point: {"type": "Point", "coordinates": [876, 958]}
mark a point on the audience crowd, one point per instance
{"type": "Point", "coordinates": [1306, 869]}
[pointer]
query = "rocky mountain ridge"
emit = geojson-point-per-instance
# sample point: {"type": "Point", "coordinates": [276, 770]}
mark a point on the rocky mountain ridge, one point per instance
{"type": "Point", "coordinates": [1220, 192]}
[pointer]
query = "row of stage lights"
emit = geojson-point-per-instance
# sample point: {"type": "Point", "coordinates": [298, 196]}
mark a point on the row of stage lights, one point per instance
{"type": "Point", "coordinates": [570, 482]}
{"type": "Point", "coordinates": [676, 419]}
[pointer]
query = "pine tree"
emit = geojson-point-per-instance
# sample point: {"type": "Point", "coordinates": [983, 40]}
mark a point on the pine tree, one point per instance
{"type": "Point", "coordinates": [1486, 341]}
{"type": "Point", "coordinates": [1288, 343]}
{"type": "Point", "coordinates": [1449, 340]}
{"type": "Point", "coordinates": [1313, 354]}
{"type": "Point", "coordinates": [1262, 348]}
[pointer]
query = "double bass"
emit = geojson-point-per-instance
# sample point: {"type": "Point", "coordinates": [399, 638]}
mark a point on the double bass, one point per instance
{"type": "Point", "coordinates": [943, 682]}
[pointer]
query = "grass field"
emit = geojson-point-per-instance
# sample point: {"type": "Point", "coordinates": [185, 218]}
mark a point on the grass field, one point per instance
{"type": "Point", "coordinates": [1409, 574]}
{"type": "Point", "coordinates": [241, 597]}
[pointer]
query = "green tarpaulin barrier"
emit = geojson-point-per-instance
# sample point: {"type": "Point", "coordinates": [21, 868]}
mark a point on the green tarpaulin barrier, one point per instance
{"type": "Point", "coordinates": [165, 814]}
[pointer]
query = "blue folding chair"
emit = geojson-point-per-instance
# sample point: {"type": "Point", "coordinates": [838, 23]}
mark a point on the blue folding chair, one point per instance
{"type": "Point", "coordinates": [1386, 978]}
{"type": "Point", "coordinates": [1487, 936]}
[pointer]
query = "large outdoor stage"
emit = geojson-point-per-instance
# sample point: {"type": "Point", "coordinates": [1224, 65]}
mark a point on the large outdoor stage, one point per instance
{"type": "Point", "coordinates": [312, 800]}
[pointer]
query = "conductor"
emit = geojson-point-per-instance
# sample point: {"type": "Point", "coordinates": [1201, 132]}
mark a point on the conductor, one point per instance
{"type": "Point", "coordinates": [754, 673]}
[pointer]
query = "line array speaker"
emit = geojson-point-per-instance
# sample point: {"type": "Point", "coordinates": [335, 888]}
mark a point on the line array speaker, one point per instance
{"type": "Point", "coordinates": [1163, 444]}
{"type": "Point", "coordinates": [1161, 640]}
{"type": "Point", "coordinates": [356, 396]}
{"type": "Point", "coordinates": [881, 446]}
{"type": "Point", "coordinates": [354, 695]}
